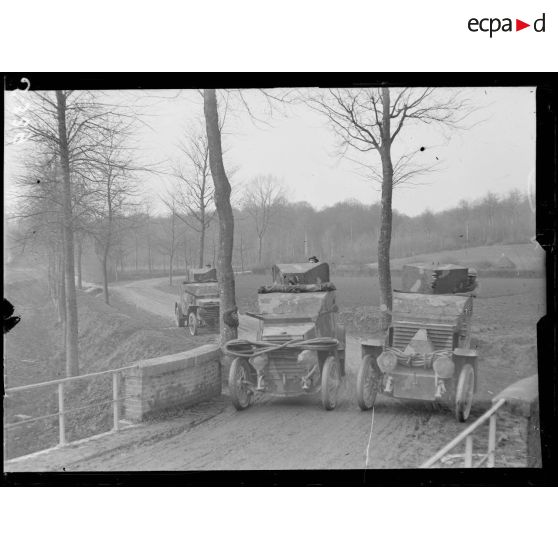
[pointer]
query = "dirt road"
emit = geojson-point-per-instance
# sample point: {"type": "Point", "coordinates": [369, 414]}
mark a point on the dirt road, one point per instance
{"type": "Point", "coordinates": [272, 433]}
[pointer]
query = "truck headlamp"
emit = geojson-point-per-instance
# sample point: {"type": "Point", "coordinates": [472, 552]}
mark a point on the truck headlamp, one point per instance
{"type": "Point", "coordinates": [308, 359]}
{"type": "Point", "coordinates": [259, 362]}
{"type": "Point", "coordinates": [387, 362]}
{"type": "Point", "coordinates": [444, 367]}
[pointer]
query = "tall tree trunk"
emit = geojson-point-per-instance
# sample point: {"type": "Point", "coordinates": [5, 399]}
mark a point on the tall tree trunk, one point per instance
{"type": "Point", "coordinates": [225, 273]}
{"type": "Point", "coordinates": [384, 239]}
{"type": "Point", "coordinates": [260, 238]}
{"type": "Point", "coordinates": [61, 293]}
{"type": "Point", "coordinates": [79, 255]}
{"type": "Point", "coordinates": [202, 240]}
{"type": "Point", "coordinates": [72, 364]}
{"type": "Point", "coordinates": [51, 275]}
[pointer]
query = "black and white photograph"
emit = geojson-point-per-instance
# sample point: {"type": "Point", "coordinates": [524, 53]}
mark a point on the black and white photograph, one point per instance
{"type": "Point", "coordinates": [271, 278]}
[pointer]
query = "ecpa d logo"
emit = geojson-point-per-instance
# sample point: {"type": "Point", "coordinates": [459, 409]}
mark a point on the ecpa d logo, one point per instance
{"type": "Point", "coordinates": [492, 25]}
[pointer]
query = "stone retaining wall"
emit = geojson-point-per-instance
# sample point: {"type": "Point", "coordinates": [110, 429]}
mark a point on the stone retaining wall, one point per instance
{"type": "Point", "coordinates": [179, 380]}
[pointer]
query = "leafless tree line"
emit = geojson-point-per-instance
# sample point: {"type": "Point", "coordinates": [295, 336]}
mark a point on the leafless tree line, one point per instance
{"type": "Point", "coordinates": [81, 188]}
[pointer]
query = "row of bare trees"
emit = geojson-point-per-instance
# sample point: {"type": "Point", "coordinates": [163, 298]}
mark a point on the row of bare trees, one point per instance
{"type": "Point", "coordinates": [149, 245]}
{"type": "Point", "coordinates": [77, 184]}
{"type": "Point", "coordinates": [82, 155]}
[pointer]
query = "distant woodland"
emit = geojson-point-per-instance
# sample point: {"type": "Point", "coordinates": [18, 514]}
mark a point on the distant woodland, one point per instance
{"type": "Point", "coordinates": [345, 233]}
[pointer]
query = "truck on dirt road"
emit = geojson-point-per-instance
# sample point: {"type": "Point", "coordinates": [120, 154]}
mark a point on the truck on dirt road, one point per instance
{"type": "Point", "coordinates": [426, 353]}
{"type": "Point", "coordinates": [299, 348]}
{"type": "Point", "coordinates": [198, 305]}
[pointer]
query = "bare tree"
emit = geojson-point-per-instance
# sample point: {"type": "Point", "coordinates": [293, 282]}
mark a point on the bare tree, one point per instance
{"type": "Point", "coordinates": [225, 273]}
{"type": "Point", "coordinates": [370, 120]}
{"type": "Point", "coordinates": [40, 221]}
{"type": "Point", "coordinates": [112, 172]}
{"type": "Point", "coordinates": [168, 239]}
{"type": "Point", "coordinates": [489, 204]}
{"type": "Point", "coordinates": [69, 127]}
{"type": "Point", "coordinates": [464, 216]}
{"type": "Point", "coordinates": [194, 194]}
{"type": "Point", "coordinates": [262, 200]}
{"type": "Point", "coordinates": [56, 122]}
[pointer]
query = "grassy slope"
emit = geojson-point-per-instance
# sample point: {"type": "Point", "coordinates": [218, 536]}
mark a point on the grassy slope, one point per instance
{"type": "Point", "coordinates": [109, 337]}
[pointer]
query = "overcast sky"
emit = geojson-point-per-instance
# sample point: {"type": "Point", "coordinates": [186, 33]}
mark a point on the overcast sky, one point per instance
{"type": "Point", "coordinates": [299, 148]}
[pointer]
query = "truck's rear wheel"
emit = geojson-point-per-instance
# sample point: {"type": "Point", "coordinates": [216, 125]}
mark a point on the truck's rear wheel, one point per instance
{"type": "Point", "coordinates": [464, 392]}
{"type": "Point", "coordinates": [193, 323]}
{"type": "Point", "coordinates": [239, 390]}
{"type": "Point", "coordinates": [331, 380]}
{"type": "Point", "coordinates": [368, 382]}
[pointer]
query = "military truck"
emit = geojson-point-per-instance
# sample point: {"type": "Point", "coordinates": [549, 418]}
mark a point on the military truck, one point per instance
{"type": "Point", "coordinates": [299, 348]}
{"type": "Point", "coordinates": [426, 353]}
{"type": "Point", "coordinates": [198, 306]}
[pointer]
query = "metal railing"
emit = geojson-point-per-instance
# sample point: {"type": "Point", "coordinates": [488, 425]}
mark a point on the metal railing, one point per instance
{"type": "Point", "coordinates": [62, 411]}
{"type": "Point", "coordinates": [467, 436]}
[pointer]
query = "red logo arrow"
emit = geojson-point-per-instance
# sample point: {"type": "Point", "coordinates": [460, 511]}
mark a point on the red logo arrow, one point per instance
{"type": "Point", "coordinates": [519, 25]}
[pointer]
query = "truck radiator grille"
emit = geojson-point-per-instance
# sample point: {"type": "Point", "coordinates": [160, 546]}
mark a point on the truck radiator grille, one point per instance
{"type": "Point", "coordinates": [211, 314]}
{"type": "Point", "coordinates": [284, 361]}
{"type": "Point", "coordinates": [440, 335]}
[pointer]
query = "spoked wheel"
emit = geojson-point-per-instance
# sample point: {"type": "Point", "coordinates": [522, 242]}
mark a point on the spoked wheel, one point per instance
{"type": "Point", "coordinates": [464, 392]}
{"type": "Point", "coordinates": [239, 390]}
{"type": "Point", "coordinates": [193, 323]}
{"type": "Point", "coordinates": [178, 316]}
{"type": "Point", "coordinates": [331, 380]}
{"type": "Point", "coordinates": [368, 383]}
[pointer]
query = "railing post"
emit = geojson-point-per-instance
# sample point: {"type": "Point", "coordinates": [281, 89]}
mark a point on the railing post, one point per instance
{"type": "Point", "coordinates": [491, 441]}
{"type": "Point", "coordinates": [469, 452]}
{"type": "Point", "coordinates": [115, 400]}
{"type": "Point", "coordinates": [61, 416]}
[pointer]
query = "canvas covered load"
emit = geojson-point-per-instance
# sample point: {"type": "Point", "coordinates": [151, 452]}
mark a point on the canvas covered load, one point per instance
{"type": "Point", "coordinates": [202, 275]}
{"type": "Point", "coordinates": [437, 279]}
{"type": "Point", "coordinates": [300, 273]}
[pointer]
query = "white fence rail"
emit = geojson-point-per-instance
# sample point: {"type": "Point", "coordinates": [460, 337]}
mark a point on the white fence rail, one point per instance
{"type": "Point", "coordinates": [467, 437]}
{"type": "Point", "coordinates": [62, 411]}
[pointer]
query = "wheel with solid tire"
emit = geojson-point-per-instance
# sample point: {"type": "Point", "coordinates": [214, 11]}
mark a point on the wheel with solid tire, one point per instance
{"type": "Point", "coordinates": [464, 392]}
{"type": "Point", "coordinates": [193, 323]}
{"type": "Point", "coordinates": [368, 383]}
{"type": "Point", "coordinates": [239, 390]}
{"type": "Point", "coordinates": [179, 316]}
{"type": "Point", "coordinates": [331, 381]}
